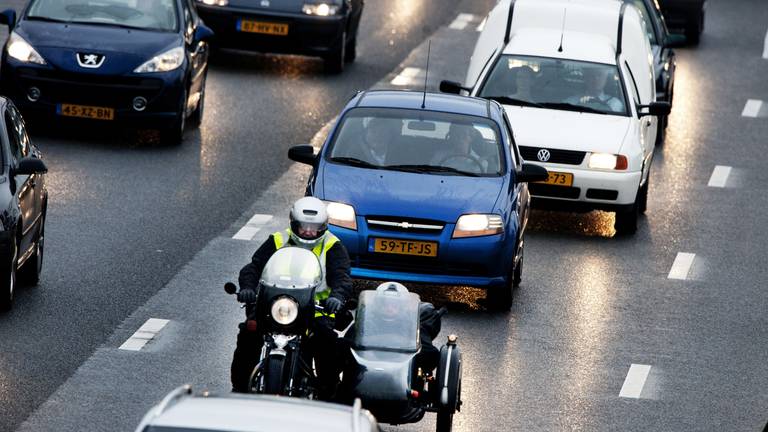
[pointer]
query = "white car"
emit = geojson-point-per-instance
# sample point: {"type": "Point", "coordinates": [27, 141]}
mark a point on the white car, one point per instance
{"type": "Point", "coordinates": [182, 411]}
{"type": "Point", "coordinates": [576, 80]}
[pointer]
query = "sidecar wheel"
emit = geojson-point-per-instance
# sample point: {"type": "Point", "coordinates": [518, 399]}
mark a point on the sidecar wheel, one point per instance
{"type": "Point", "coordinates": [273, 378]}
{"type": "Point", "coordinates": [444, 421]}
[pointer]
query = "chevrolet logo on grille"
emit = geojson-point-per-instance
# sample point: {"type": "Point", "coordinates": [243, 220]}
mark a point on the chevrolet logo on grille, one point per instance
{"type": "Point", "coordinates": [405, 225]}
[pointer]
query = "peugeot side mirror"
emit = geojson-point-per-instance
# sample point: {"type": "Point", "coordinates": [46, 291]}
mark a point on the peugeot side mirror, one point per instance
{"type": "Point", "coordinates": [658, 109]}
{"type": "Point", "coordinates": [304, 153]}
{"type": "Point", "coordinates": [675, 40]}
{"type": "Point", "coordinates": [203, 33]}
{"type": "Point", "coordinates": [8, 17]}
{"type": "Point", "coordinates": [452, 87]}
{"type": "Point", "coordinates": [531, 173]}
{"type": "Point", "coordinates": [29, 166]}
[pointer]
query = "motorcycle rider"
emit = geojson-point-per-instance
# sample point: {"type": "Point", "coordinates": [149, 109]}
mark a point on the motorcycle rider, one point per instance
{"type": "Point", "coordinates": [309, 230]}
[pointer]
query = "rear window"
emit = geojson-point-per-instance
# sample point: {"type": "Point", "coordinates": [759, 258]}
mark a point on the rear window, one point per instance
{"type": "Point", "coordinates": [140, 14]}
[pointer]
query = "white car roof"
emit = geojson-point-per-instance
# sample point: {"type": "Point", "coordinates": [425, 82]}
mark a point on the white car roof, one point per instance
{"type": "Point", "coordinates": [542, 42]}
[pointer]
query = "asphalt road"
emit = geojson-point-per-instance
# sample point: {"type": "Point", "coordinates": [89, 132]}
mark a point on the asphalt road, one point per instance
{"type": "Point", "coordinates": [139, 231]}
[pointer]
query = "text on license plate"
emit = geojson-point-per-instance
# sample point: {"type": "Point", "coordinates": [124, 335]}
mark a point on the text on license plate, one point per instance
{"type": "Point", "coordinates": [262, 27]}
{"type": "Point", "coordinates": [405, 247]}
{"type": "Point", "coordinates": [90, 112]}
{"type": "Point", "coordinates": [559, 179]}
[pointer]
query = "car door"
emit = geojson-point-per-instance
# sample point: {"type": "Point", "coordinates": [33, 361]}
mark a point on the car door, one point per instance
{"type": "Point", "coordinates": [519, 194]}
{"type": "Point", "coordinates": [24, 185]}
{"type": "Point", "coordinates": [646, 124]}
{"type": "Point", "coordinates": [198, 52]}
{"type": "Point", "coordinates": [28, 149]}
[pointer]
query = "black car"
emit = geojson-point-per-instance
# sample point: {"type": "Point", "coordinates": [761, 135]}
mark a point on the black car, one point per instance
{"type": "Point", "coordinates": [322, 28]}
{"type": "Point", "coordinates": [23, 203]}
{"type": "Point", "coordinates": [664, 62]}
{"type": "Point", "coordinates": [687, 15]}
{"type": "Point", "coordinates": [141, 62]}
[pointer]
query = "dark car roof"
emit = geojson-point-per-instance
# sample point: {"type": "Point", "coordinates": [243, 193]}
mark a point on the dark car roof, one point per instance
{"type": "Point", "coordinates": [434, 102]}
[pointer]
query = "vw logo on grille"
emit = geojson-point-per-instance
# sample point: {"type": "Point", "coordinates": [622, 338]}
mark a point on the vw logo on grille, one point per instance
{"type": "Point", "coordinates": [543, 155]}
{"type": "Point", "coordinates": [90, 60]}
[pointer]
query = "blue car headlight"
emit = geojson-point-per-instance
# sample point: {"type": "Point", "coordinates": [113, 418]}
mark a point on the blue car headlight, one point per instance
{"type": "Point", "coordinates": [342, 215]}
{"type": "Point", "coordinates": [477, 225]}
{"type": "Point", "coordinates": [22, 51]}
{"type": "Point", "coordinates": [165, 62]}
{"type": "Point", "coordinates": [321, 8]}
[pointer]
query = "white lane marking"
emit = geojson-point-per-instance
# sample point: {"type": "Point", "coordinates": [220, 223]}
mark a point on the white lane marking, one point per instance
{"type": "Point", "coordinates": [635, 381]}
{"type": "Point", "coordinates": [409, 76]}
{"type": "Point", "coordinates": [144, 334]}
{"type": "Point", "coordinates": [765, 47]}
{"type": "Point", "coordinates": [481, 26]}
{"type": "Point", "coordinates": [752, 108]}
{"type": "Point", "coordinates": [253, 226]}
{"type": "Point", "coordinates": [719, 176]}
{"type": "Point", "coordinates": [681, 266]}
{"type": "Point", "coordinates": [462, 21]}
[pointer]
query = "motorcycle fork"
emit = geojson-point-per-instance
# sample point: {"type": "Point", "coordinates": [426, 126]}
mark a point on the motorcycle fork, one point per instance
{"type": "Point", "coordinates": [295, 361]}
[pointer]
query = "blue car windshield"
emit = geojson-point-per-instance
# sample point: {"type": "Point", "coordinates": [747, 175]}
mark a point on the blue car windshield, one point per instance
{"type": "Point", "coordinates": [139, 14]}
{"type": "Point", "coordinates": [418, 141]}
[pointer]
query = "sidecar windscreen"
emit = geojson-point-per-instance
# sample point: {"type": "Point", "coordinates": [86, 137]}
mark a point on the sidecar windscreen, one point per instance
{"type": "Point", "coordinates": [292, 268]}
{"type": "Point", "coordinates": [387, 321]}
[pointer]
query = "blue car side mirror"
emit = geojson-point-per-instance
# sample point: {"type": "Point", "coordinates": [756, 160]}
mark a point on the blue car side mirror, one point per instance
{"type": "Point", "coordinates": [531, 173]}
{"type": "Point", "coordinates": [203, 33]}
{"type": "Point", "coordinates": [8, 17]}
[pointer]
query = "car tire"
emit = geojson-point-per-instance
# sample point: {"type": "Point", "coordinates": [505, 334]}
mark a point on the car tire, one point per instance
{"type": "Point", "coordinates": [174, 134]}
{"type": "Point", "coordinates": [517, 273]}
{"type": "Point", "coordinates": [334, 61]}
{"type": "Point", "coordinates": [444, 421]}
{"type": "Point", "coordinates": [626, 221]}
{"type": "Point", "coordinates": [29, 273]}
{"type": "Point", "coordinates": [693, 30]}
{"type": "Point", "coordinates": [351, 53]}
{"type": "Point", "coordinates": [8, 284]}
{"type": "Point", "coordinates": [642, 196]}
{"type": "Point", "coordinates": [196, 119]}
{"type": "Point", "coordinates": [661, 131]}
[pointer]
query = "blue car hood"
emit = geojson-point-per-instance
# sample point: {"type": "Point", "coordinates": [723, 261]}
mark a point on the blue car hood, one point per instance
{"type": "Point", "coordinates": [394, 193]}
{"type": "Point", "coordinates": [125, 49]}
{"type": "Point", "coordinates": [271, 6]}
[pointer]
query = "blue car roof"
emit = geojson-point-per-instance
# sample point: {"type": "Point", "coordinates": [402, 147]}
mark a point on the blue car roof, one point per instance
{"type": "Point", "coordinates": [434, 102]}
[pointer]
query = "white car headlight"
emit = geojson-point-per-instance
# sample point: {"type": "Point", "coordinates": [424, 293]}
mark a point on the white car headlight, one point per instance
{"type": "Point", "coordinates": [284, 310]}
{"type": "Point", "coordinates": [320, 9]}
{"type": "Point", "coordinates": [342, 215]}
{"type": "Point", "coordinates": [476, 225]}
{"type": "Point", "coordinates": [608, 161]}
{"type": "Point", "coordinates": [214, 2]}
{"type": "Point", "coordinates": [22, 51]}
{"type": "Point", "coordinates": [165, 62]}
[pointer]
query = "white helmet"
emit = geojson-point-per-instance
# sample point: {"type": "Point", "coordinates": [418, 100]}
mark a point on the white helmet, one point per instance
{"type": "Point", "coordinates": [309, 222]}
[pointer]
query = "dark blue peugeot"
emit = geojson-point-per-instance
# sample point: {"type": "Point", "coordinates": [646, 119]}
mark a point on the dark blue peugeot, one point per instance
{"type": "Point", "coordinates": [426, 188]}
{"type": "Point", "coordinates": [141, 62]}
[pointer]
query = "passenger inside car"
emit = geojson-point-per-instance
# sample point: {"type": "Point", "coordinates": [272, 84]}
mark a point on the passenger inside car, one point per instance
{"type": "Point", "coordinates": [596, 88]}
{"type": "Point", "coordinates": [525, 82]}
{"type": "Point", "coordinates": [457, 151]}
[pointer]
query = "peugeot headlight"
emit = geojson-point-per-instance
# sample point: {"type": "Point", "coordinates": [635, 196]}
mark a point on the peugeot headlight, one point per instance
{"type": "Point", "coordinates": [321, 8]}
{"type": "Point", "coordinates": [476, 225]}
{"type": "Point", "coordinates": [284, 310]}
{"type": "Point", "coordinates": [608, 161]}
{"type": "Point", "coordinates": [214, 2]}
{"type": "Point", "coordinates": [342, 215]}
{"type": "Point", "coordinates": [165, 62]}
{"type": "Point", "coordinates": [22, 51]}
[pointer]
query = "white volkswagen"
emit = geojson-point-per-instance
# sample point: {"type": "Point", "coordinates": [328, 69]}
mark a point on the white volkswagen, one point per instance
{"type": "Point", "coordinates": [576, 81]}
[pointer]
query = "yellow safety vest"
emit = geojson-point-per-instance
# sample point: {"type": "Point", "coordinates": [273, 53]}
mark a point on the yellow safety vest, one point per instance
{"type": "Point", "coordinates": [320, 251]}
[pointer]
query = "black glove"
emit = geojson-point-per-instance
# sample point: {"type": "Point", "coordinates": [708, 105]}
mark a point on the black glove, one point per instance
{"type": "Point", "coordinates": [333, 305]}
{"type": "Point", "coordinates": [247, 295]}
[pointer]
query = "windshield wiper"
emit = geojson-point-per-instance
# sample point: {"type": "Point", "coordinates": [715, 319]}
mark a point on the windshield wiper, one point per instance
{"type": "Point", "coordinates": [355, 162]}
{"type": "Point", "coordinates": [46, 19]}
{"type": "Point", "coordinates": [431, 169]}
{"type": "Point", "coordinates": [110, 24]}
{"type": "Point", "coordinates": [572, 107]}
{"type": "Point", "coordinates": [512, 101]}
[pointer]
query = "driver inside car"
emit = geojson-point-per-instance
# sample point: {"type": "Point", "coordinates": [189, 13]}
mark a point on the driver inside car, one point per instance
{"type": "Point", "coordinates": [458, 151]}
{"type": "Point", "coordinates": [594, 94]}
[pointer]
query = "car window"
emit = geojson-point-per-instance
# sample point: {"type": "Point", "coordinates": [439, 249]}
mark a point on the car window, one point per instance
{"type": "Point", "coordinates": [556, 84]}
{"type": "Point", "coordinates": [417, 140]}
{"type": "Point", "coordinates": [141, 14]}
{"type": "Point", "coordinates": [24, 141]}
{"type": "Point", "coordinates": [647, 17]}
{"type": "Point", "coordinates": [633, 88]}
{"type": "Point", "coordinates": [13, 135]}
{"type": "Point", "coordinates": [509, 137]}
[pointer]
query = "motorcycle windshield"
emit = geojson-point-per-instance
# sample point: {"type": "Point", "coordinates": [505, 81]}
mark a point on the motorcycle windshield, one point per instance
{"type": "Point", "coordinates": [387, 321]}
{"type": "Point", "coordinates": [292, 268]}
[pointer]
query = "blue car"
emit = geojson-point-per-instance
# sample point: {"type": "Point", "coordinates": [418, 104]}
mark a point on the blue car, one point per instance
{"type": "Point", "coordinates": [140, 62]}
{"type": "Point", "coordinates": [426, 188]}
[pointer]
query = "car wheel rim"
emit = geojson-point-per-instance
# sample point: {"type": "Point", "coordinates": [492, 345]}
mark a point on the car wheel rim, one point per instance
{"type": "Point", "coordinates": [12, 281]}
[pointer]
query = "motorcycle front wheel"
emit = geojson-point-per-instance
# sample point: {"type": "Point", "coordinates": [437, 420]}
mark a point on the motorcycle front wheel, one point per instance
{"type": "Point", "coordinates": [274, 374]}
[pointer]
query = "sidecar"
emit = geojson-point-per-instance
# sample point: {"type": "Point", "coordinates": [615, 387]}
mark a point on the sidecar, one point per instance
{"type": "Point", "coordinates": [388, 370]}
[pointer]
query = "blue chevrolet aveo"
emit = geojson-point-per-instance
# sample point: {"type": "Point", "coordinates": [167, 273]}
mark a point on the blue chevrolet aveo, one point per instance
{"type": "Point", "coordinates": [426, 188]}
{"type": "Point", "coordinates": [140, 62]}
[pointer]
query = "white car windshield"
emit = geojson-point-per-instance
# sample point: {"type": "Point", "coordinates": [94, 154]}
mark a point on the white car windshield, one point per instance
{"type": "Point", "coordinates": [556, 84]}
{"type": "Point", "coordinates": [418, 141]}
{"type": "Point", "coordinates": [138, 14]}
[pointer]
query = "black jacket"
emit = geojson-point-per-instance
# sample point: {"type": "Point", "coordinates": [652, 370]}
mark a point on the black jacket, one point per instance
{"type": "Point", "coordinates": [337, 268]}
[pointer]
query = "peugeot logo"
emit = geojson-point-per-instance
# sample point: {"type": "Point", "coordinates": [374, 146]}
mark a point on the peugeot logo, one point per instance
{"type": "Point", "coordinates": [89, 60]}
{"type": "Point", "coordinates": [264, 3]}
{"type": "Point", "coordinates": [543, 155]}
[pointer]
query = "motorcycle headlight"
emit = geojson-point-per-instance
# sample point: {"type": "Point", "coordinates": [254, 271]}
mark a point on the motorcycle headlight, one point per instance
{"type": "Point", "coordinates": [476, 225]}
{"type": "Point", "coordinates": [214, 2]}
{"type": "Point", "coordinates": [342, 215]}
{"type": "Point", "coordinates": [22, 51]}
{"type": "Point", "coordinates": [284, 310]}
{"type": "Point", "coordinates": [165, 62]}
{"type": "Point", "coordinates": [321, 8]}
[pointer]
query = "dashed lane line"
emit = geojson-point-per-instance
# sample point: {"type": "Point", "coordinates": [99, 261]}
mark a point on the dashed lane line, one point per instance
{"type": "Point", "coordinates": [409, 76]}
{"type": "Point", "coordinates": [252, 227]}
{"type": "Point", "coordinates": [144, 334]}
{"type": "Point", "coordinates": [752, 108]}
{"type": "Point", "coordinates": [765, 47]}
{"type": "Point", "coordinates": [462, 21]}
{"type": "Point", "coordinates": [719, 176]}
{"type": "Point", "coordinates": [635, 381]}
{"type": "Point", "coordinates": [682, 266]}
{"type": "Point", "coordinates": [481, 26]}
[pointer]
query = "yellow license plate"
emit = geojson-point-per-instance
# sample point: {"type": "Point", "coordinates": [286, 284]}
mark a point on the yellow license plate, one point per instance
{"type": "Point", "coordinates": [262, 27]}
{"type": "Point", "coordinates": [89, 112]}
{"type": "Point", "coordinates": [405, 247]}
{"type": "Point", "coordinates": [559, 179]}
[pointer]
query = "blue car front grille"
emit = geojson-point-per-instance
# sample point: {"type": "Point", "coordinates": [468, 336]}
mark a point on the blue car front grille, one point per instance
{"type": "Point", "coordinates": [405, 225]}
